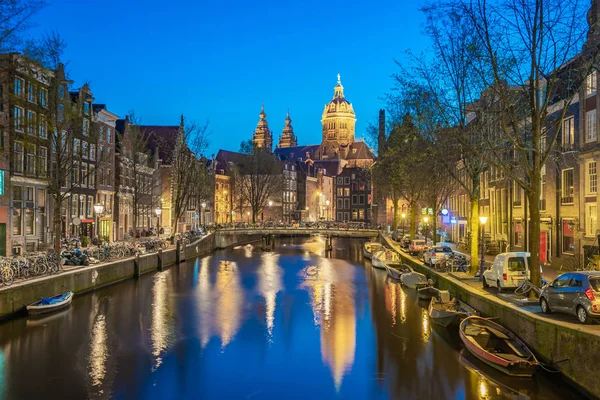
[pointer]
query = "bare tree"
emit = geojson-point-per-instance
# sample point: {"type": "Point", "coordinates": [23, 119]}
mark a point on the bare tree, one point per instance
{"type": "Point", "coordinates": [15, 19]}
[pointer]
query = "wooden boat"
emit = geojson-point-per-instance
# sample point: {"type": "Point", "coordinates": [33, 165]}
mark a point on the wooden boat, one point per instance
{"type": "Point", "coordinates": [498, 347]}
{"type": "Point", "coordinates": [427, 292]}
{"type": "Point", "coordinates": [385, 257]}
{"type": "Point", "coordinates": [371, 247]}
{"type": "Point", "coordinates": [448, 313]}
{"type": "Point", "coordinates": [396, 273]}
{"type": "Point", "coordinates": [414, 280]}
{"type": "Point", "coordinates": [50, 304]}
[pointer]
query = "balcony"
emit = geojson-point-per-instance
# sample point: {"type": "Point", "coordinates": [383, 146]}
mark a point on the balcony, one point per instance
{"type": "Point", "coordinates": [566, 200]}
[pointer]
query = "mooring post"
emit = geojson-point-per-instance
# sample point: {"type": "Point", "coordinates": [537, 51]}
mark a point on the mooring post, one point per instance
{"type": "Point", "coordinates": [136, 266]}
{"type": "Point", "coordinates": [178, 252]}
{"type": "Point", "coordinates": [160, 260]}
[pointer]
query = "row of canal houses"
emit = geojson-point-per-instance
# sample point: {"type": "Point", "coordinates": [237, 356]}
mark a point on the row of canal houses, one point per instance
{"type": "Point", "coordinates": [35, 101]}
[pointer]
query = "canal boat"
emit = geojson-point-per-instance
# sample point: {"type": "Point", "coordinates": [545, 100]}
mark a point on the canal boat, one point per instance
{"type": "Point", "coordinates": [396, 273]}
{"type": "Point", "coordinates": [497, 346]}
{"type": "Point", "coordinates": [414, 280]}
{"type": "Point", "coordinates": [369, 248]}
{"type": "Point", "coordinates": [427, 292]}
{"type": "Point", "coordinates": [50, 304]}
{"type": "Point", "coordinates": [385, 257]}
{"type": "Point", "coordinates": [448, 313]}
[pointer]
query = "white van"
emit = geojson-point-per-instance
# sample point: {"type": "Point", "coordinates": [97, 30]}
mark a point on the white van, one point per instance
{"type": "Point", "coordinates": [508, 271]}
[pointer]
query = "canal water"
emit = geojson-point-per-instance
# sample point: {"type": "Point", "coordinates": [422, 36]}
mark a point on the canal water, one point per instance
{"type": "Point", "coordinates": [295, 323]}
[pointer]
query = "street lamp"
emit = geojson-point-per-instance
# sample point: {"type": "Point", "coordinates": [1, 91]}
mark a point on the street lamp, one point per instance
{"type": "Point", "coordinates": [158, 211]}
{"type": "Point", "coordinates": [270, 210]}
{"type": "Point", "coordinates": [482, 219]}
{"type": "Point", "coordinates": [403, 215]}
{"type": "Point", "coordinates": [425, 221]}
{"type": "Point", "coordinates": [248, 214]}
{"type": "Point", "coordinates": [99, 209]}
{"type": "Point", "coordinates": [327, 210]}
{"type": "Point", "coordinates": [203, 217]}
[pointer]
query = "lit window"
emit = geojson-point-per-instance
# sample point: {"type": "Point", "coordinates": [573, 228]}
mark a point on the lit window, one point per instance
{"type": "Point", "coordinates": [592, 180]}
{"type": "Point", "coordinates": [591, 134]}
{"type": "Point", "coordinates": [591, 218]}
{"type": "Point", "coordinates": [18, 118]}
{"type": "Point", "coordinates": [591, 83]}
{"type": "Point", "coordinates": [18, 86]}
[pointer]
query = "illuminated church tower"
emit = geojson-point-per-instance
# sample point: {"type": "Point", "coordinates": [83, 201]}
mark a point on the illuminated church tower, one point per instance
{"type": "Point", "coordinates": [288, 139]}
{"type": "Point", "coordinates": [338, 119]}
{"type": "Point", "coordinates": [262, 134]}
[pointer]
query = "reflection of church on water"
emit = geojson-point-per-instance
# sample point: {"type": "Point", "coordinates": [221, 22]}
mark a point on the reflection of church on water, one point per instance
{"type": "Point", "coordinates": [333, 305]}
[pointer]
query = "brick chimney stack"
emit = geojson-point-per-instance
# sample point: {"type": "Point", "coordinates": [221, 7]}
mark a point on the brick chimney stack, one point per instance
{"type": "Point", "coordinates": [381, 135]}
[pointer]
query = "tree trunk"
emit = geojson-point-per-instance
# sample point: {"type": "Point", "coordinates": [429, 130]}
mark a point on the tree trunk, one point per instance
{"type": "Point", "coordinates": [395, 221]}
{"type": "Point", "coordinates": [474, 223]}
{"type": "Point", "coordinates": [413, 219]}
{"type": "Point", "coordinates": [57, 227]}
{"type": "Point", "coordinates": [534, 234]}
{"type": "Point", "coordinates": [434, 228]}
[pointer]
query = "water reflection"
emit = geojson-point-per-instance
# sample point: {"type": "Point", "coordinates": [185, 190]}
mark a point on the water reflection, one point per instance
{"type": "Point", "coordinates": [269, 275]}
{"type": "Point", "coordinates": [219, 304]}
{"type": "Point", "coordinates": [163, 328]}
{"type": "Point", "coordinates": [98, 351]}
{"type": "Point", "coordinates": [332, 298]}
{"type": "Point", "coordinates": [425, 324]}
{"type": "Point", "coordinates": [1, 373]}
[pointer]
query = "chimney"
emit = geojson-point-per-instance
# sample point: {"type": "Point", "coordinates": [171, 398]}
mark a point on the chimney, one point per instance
{"type": "Point", "coordinates": [381, 135]}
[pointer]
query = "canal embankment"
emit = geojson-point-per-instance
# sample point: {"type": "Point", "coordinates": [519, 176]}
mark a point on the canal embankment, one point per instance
{"type": "Point", "coordinates": [571, 346]}
{"type": "Point", "coordinates": [15, 298]}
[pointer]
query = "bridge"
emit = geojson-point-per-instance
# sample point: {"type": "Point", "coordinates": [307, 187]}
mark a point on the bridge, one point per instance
{"type": "Point", "coordinates": [288, 231]}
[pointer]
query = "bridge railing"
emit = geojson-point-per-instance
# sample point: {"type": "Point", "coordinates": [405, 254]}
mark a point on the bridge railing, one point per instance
{"type": "Point", "coordinates": [355, 226]}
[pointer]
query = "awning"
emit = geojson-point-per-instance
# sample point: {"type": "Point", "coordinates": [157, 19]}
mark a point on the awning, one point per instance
{"type": "Point", "coordinates": [88, 221]}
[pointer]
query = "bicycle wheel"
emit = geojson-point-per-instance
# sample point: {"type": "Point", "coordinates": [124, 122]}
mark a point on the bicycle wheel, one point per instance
{"type": "Point", "coordinates": [524, 288]}
{"type": "Point", "coordinates": [7, 276]}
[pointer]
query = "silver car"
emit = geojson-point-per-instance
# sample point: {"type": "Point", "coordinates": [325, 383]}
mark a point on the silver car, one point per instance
{"type": "Point", "coordinates": [576, 293]}
{"type": "Point", "coordinates": [436, 254]}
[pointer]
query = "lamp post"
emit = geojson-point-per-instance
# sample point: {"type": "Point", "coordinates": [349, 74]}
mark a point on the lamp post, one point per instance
{"type": "Point", "coordinates": [248, 214]}
{"type": "Point", "coordinates": [158, 211]}
{"type": "Point", "coordinates": [99, 209]}
{"type": "Point", "coordinates": [270, 210]}
{"type": "Point", "coordinates": [327, 202]}
{"type": "Point", "coordinates": [425, 221]}
{"type": "Point", "coordinates": [203, 216]}
{"type": "Point", "coordinates": [403, 216]}
{"type": "Point", "coordinates": [482, 219]}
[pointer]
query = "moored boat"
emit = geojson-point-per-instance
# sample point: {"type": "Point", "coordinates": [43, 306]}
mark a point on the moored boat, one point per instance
{"type": "Point", "coordinates": [427, 292]}
{"type": "Point", "coordinates": [371, 247]}
{"type": "Point", "coordinates": [497, 346]}
{"type": "Point", "coordinates": [396, 273]}
{"type": "Point", "coordinates": [385, 257]}
{"type": "Point", "coordinates": [50, 304]}
{"type": "Point", "coordinates": [414, 280]}
{"type": "Point", "coordinates": [448, 313]}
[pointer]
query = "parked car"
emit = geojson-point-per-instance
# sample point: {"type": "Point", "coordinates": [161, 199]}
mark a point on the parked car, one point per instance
{"type": "Point", "coordinates": [397, 235]}
{"type": "Point", "coordinates": [416, 246]}
{"type": "Point", "coordinates": [576, 293]}
{"type": "Point", "coordinates": [405, 242]}
{"type": "Point", "coordinates": [436, 254]}
{"type": "Point", "coordinates": [508, 270]}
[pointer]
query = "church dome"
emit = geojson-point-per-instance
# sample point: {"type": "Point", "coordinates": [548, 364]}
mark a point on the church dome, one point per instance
{"type": "Point", "coordinates": [338, 118]}
{"type": "Point", "coordinates": [338, 104]}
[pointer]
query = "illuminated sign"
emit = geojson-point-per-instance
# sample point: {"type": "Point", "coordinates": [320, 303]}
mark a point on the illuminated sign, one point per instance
{"type": "Point", "coordinates": [453, 220]}
{"type": "Point", "coordinates": [1, 182]}
{"type": "Point", "coordinates": [444, 211]}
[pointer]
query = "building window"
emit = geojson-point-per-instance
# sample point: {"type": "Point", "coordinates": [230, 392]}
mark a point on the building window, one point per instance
{"type": "Point", "coordinates": [43, 160]}
{"type": "Point", "coordinates": [84, 174]}
{"type": "Point", "coordinates": [346, 204]}
{"type": "Point", "coordinates": [361, 214]}
{"type": "Point", "coordinates": [567, 186]}
{"type": "Point", "coordinates": [30, 93]}
{"type": "Point", "coordinates": [101, 133]}
{"type": "Point", "coordinates": [92, 179]}
{"type": "Point", "coordinates": [346, 192]}
{"type": "Point", "coordinates": [340, 203]}
{"type": "Point", "coordinates": [568, 132]}
{"type": "Point", "coordinates": [41, 198]}
{"type": "Point", "coordinates": [568, 237]}
{"type": "Point", "coordinates": [354, 214]}
{"type": "Point", "coordinates": [82, 205]}
{"type": "Point", "coordinates": [86, 108]}
{"type": "Point", "coordinates": [18, 83]}
{"type": "Point", "coordinates": [18, 157]}
{"type": "Point", "coordinates": [590, 126]}
{"type": "Point", "coordinates": [61, 92]}
{"type": "Point", "coordinates": [340, 191]}
{"type": "Point", "coordinates": [346, 180]}
{"type": "Point", "coordinates": [361, 199]}
{"type": "Point", "coordinates": [591, 83]}
{"type": "Point", "coordinates": [61, 112]}
{"type": "Point", "coordinates": [30, 160]}
{"type": "Point", "coordinates": [30, 122]}
{"type": "Point", "coordinates": [93, 152]}
{"type": "Point", "coordinates": [74, 204]}
{"type": "Point", "coordinates": [90, 199]}
{"type": "Point", "coordinates": [84, 149]}
{"type": "Point", "coordinates": [18, 118]}
{"type": "Point", "coordinates": [340, 180]}
{"type": "Point", "coordinates": [85, 126]}
{"type": "Point", "coordinates": [592, 178]}
{"type": "Point", "coordinates": [109, 135]}
{"type": "Point", "coordinates": [29, 221]}
{"type": "Point", "coordinates": [76, 143]}
{"type": "Point", "coordinates": [517, 194]}
{"type": "Point", "coordinates": [42, 127]}
{"type": "Point", "coordinates": [354, 199]}
{"type": "Point", "coordinates": [591, 218]}
{"type": "Point", "coordinates": [43, 97]}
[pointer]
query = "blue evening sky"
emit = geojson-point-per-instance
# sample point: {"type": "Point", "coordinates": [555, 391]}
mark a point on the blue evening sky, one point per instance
{"type": "Point", "coordinates": [218, 60]}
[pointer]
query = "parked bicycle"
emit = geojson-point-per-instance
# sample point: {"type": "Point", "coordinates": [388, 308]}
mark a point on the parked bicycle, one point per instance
{"type": "Point", "coordinates": [526, 286]}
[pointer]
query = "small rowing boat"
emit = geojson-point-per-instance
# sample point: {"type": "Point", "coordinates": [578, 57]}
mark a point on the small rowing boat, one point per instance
{"type": "Point", "coordinates": [396, 273]}
{"type": "Point", "coordinates": [448, 313]}
{"type": "Point", "coordinates": [497, 347]}
{"type": "Point", "coordinates": [385, 257]}
{"type": "Point", "coordinates": [50, 304]}
{"type": "Point", "coordinates": [427, 292]}
{"type": "Point", "coordinates": [413, 280]}
{"type": "Point", "coordinates": [369, 248]}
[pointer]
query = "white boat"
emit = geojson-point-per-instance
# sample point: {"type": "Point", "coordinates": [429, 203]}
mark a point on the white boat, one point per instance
{"type": "Point", "coordinates": [371, 247]}
{"type": "Point", "coordinates": [448, 313]}
{"type": "Point", "coordinates": [50, 304]}
{"type": "Point", "coordinates": [395, 273]}
{"type": "Point", "coordinates": [414, 280]}
{"type": "Point", "coordinates": [385, 257]}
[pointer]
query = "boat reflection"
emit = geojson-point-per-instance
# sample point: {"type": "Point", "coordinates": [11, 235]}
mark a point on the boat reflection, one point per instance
{"type": "Point", "coordinates": [331, 290]}
{"type": "Point", "coordinates": [269, 283]}
{"type": "Point", "coordinates": [162, 329]}
{"type": "Point", "coordinates": [98, 351]}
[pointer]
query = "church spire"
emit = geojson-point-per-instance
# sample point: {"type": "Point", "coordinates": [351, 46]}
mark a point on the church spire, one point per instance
{"type": "Point", "coordinates": [338, 91]}
{"type": "Point", "coordinates": [262, 134]}
{"type": "Point", "coordinates": [288, 139]}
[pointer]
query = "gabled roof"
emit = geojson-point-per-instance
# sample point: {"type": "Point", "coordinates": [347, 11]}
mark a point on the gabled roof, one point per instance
{"type": "Point", "coordinates": [162, 138]}
{"type": "Point", "coordinates": [362, 152]}
{"type": "Point", "coordinates": [293, 153]}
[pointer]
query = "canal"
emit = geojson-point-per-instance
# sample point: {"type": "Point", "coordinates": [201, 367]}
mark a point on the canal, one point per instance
{"type": "Point", "coordinates": [247, 324]}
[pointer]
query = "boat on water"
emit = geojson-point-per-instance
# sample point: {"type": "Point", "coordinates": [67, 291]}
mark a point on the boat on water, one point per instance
{"type": "Point", "coordinates": [396, 273]}
{"type": "Point", "coordinates": [50, 304]}
{"type": "Point", "coordinates": [427, 292]}
{"type": "Point", "coordinates": [497, 346]}
{"type": "Point", "coordinates": [371, 247]}
{"type": "Point", "coordinates": [414, 280]}
{"type": "Point", "coordinates": [385, 257]}
{"type": "Point", "coordinates": [448, 313]}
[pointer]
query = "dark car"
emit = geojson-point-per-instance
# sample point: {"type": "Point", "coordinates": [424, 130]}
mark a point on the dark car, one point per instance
{"type": "Point", "coordinates": [576, 293]}
{"type": "Point", "coordinates": [397, 235]}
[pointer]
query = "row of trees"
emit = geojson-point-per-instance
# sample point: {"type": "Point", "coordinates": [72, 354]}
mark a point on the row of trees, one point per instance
{"type": "Point", "coordinates": [492, 91]}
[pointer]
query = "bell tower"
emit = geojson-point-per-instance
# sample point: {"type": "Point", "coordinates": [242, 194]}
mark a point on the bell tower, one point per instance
{"type": "Point", "coordinates": [288, 139]}
{"type": "Point", "coordinates": [262, 134]}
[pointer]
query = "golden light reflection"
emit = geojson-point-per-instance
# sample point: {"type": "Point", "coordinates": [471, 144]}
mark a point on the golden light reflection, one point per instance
{"type": "Point", "coordinates": [219, 305]}
{"type": "Point", "coordinates": [163, 328]}
{"type": "Point", "coordinates": [332, 298]}
{"type": "Point", "coordinates": [98, 351]}
{"type": "Point", "coordinates": [402, 306]}
{"type": "Point", "coordinates": [248, 250]}
{"type": "Point", "coordinates": [269, 275]}
{"type": "Point", "coordinates": [425, 324]}
{"type": "Point", "coordinates": [483, 388]}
